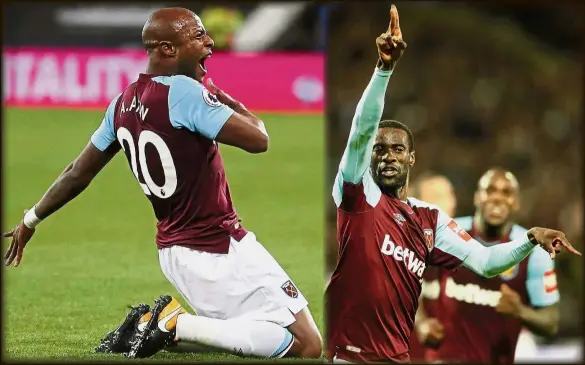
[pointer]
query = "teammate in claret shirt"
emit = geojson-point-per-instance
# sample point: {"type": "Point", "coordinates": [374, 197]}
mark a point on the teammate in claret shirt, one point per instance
{"type": "Point", "coordinates": [169, 126]}
{"type": "Point", "coordinates": [482, 318]}
{"type": "Point", "coordinates": [386, 240]}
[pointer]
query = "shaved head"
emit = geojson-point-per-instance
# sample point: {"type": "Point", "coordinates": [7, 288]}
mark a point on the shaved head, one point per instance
{"type": "Point", "coordinates": [496, 198]}
{"type": "Point", "coordinates": [497, 172]}
{"type": "Point", "coordinates": [166, 24]}
{"type": "Point", "coordinates": [177, 43]}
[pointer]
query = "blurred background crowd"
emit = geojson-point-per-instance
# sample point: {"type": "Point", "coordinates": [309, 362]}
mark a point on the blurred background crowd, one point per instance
{"type": "Point", "coordinates": [479, 86]}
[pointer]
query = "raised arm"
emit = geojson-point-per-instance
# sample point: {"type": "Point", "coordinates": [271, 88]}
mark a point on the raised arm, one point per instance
{"type": "Point", "coordinates": [356, 156]}
{"type": "Point", "coordinates": [73, 180]}
{"type": "Point", "coordinates": [454, 246]}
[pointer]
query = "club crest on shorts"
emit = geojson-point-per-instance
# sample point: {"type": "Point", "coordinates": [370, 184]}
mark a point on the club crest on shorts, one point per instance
{"type": "Point", "coordinates": [290, 289]}
{"type": "Point", "coordinates": [511, 273]}
{"type": "Point", "coordinates": [429, 239]}
{"type": "Point", "coordinates": [210, 99]}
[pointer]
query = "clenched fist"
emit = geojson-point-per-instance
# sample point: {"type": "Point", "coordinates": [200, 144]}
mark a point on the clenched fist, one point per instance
{"type": "Point", "coordinates": [390, 44]}
{"type": "Point", "coordinates": [510, 302]}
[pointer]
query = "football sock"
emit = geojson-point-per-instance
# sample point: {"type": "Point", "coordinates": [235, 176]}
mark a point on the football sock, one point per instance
{"type": "Point", "coordinates": [239, 336]}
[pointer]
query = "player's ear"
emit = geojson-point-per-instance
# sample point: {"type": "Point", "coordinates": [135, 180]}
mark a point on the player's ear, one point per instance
{"type": "Point", "coordinates": [411, 159]}
{"type": "Point", "coordinates": [476, 200]}
{"type": "Point", "coordinates": [516, 204]}
{"type": "Point", "coordinates": [168, 49]}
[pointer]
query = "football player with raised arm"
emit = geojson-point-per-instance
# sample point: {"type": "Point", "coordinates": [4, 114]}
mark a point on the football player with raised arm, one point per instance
{"type": "Point", "coordinates": [386, 240]}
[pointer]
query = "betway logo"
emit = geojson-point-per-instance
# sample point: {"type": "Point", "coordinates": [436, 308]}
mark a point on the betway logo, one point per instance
{"type": "Point", "coordinates": [400, 253]}
{"type": "Point", "coordinates": [471, 293]}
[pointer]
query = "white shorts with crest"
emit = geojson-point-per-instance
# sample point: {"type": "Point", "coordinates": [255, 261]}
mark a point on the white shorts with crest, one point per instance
{"type": "Point", "coordinates": [246, 283]}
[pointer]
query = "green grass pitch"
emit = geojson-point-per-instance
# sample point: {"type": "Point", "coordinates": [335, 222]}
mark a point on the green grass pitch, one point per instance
{"type": "Point", "coordinates": [97, 255]}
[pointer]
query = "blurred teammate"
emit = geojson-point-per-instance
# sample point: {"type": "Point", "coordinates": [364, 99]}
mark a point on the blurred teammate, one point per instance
{"type": "Point", "coordinates": [386, 240]}
{"type": "Point", "coordinates": [168, 124]}
{"type": "Point", "coordinates": [482, 318]}
{"type": "Point", "coordinates": [436, 189]}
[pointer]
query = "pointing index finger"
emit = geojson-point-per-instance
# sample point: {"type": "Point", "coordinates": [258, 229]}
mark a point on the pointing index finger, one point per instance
{"type": "Point", "coordinates": [394, 27]}
{"type": "Point", "coordinates": [571, 249]}
{"type": "Point", "coordinates": [568, 246]}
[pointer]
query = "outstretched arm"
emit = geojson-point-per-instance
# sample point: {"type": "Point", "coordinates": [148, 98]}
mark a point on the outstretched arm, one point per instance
{"type": "Point", "coordinates": [494, 260]}
{"type": "Point", "coordinates": [454, 246]}
{"type": "Point", "coordinates": [76, 177]}
{"type": "Point", "coordinates": [356, 156]}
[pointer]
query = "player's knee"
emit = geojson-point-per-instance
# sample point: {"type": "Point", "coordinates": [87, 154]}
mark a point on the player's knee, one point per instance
{"type": "Point", "coordinates": [312, 347]}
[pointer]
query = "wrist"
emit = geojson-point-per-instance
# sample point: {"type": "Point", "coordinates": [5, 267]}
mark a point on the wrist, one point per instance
{"type": "Point", "coordinates": [385, 66]}
{"type": "Point", "coordinates": [521, 312]}
{"type": "Point", "coordinates": [31, 220]}
{"type": "Point", "coordinates": [531, 238]}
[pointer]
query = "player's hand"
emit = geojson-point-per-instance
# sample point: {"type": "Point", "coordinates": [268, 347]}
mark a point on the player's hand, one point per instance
{"type": "Point", "coordinates": [20, 235]}
{"type": "Point", "coordinates": [390, 44]}
{"type": "Point", "coordinates": [551, 241]}
{"type": "Point", "coordinates": [430, 332]}
{"type": "Point", "coordinates": [510, 302]}
{"type": "Point", "coordinates": [221, 95]}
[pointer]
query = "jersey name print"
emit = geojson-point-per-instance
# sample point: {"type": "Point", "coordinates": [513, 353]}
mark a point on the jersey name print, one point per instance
{"type": "Point", "coordinates": [166, 126]}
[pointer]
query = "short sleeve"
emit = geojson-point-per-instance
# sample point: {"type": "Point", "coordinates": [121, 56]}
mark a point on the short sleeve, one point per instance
{"type": "Point", "coordinates": [541, 281]}
{"type": "Point", "coordinates": [193, 107]}
{"type": "Point", "coordinates": [356, 198]}
{"type": "Point", "coordinates": [105, 135]}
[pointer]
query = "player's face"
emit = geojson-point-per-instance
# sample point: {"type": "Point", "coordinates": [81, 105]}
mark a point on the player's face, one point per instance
{"type": "Point", "coordinates": [497, 199]}
{"type": "Point", "coordinates": [195, 48]}
{"type": "Point", "coordinates": [391, 158]}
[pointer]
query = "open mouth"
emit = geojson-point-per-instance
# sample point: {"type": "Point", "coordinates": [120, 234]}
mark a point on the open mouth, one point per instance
{"type": "Point", "coordinates": [202, 62]}
{"type": "Point", "coordinates": [389, 171]}
{"type": "Point", "coordinates": [498, 210]}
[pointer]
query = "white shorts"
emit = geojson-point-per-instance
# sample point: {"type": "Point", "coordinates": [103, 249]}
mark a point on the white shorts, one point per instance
{"type": "Point", "coordinates": [246, 283]}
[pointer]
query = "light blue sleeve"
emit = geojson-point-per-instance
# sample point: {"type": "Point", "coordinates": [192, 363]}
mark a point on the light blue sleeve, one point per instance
{"type": "Point", "coordinates": [357, 154]}
{"type": "Point", "coordinates": [193, 107]}
{"type": "Point", "coordinates": [490, 261]}
{"type": "Point", "coordinates": [465, 222]}
{"type": "Point", "coordinates": [105, 135]}
{"type": "Point", "coordinates": [541, 282]}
